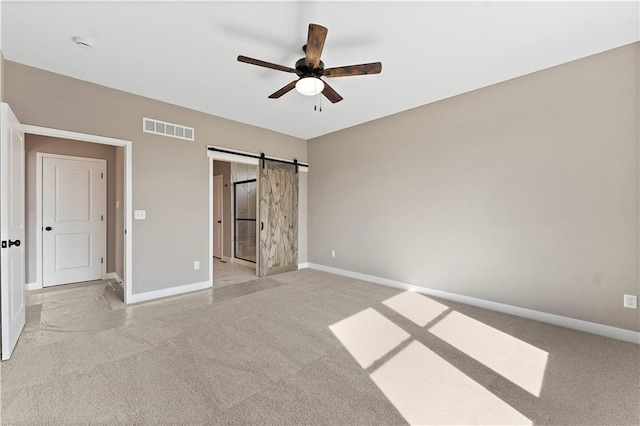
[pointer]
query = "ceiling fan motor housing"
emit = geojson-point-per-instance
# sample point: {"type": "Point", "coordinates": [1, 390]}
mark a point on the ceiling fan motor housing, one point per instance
{"type": "Point", "coordinates": [303, 70]}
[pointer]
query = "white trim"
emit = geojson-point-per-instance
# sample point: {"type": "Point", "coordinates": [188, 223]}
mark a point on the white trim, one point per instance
{"type": "Point", "coordinates": [171, 291]}
{"type": "Point", "coordinates": [227, 259]}
{"type": "Point", "coordinates": [211, 220]}
{"type": "Point", "coordinates": [304, 265]}
{"type": "Point", "coordinates": [243, 159]}
{"type": "Point", "coordinates": [32, 286]}
{"type": "Point", "coordinates": [576, 324]}
{"type": "Point", "coordinates": [113, 276]}
{"type": "Point", "coordinates": [64, 134]}
{"type": "Point", "coordinates": [40, 156]}
{"type": "Point", "coordinates": [128, 190]}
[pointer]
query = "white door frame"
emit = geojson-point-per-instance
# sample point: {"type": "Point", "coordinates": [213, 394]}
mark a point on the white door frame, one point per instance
{"type": "Point", "coordinates": [128, 194]}
{"type": "Point", "coordinates": [39, 246]}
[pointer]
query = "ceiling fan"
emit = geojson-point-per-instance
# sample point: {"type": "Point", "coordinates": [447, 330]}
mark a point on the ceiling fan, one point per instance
{"type": "Point", "coordinates": [310, 69]}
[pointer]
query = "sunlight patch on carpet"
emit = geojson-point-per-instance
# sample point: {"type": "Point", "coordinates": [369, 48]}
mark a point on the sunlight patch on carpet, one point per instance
{"type": "Point", "coordinates": [416, 307]}
{"type": "Point", "coordinates": [515, 360]}
{"type": "Point", "coordinates": [368, 336]}
{"type": "Point", "coordinates": [426, 389]}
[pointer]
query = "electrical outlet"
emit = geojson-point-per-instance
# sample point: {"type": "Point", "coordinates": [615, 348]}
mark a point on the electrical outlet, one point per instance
{"type": "Point", "coordinates": [196, 265]}
{"type": "Point", "coordinates": [333, 253]}
{"type": "Point", "coordinates": [631, 301]}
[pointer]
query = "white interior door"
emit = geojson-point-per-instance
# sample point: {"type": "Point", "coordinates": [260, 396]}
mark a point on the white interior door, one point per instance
{"type": "Point", "coordinates": [72, 219]}
{"type": "Point", "coordinates": [12, 266]}
{"type": "Point", "coordinates": [218, 188]}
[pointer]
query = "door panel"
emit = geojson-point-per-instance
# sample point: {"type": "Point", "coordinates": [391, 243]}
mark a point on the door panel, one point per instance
{"type": "Point", "coordinates": [73, 190]}
{"type": "Point", "coordinates": [12, 261]}
{"type": "Point", "coordinates": [278, 188]}
{"type": "Point", "coordinates": [72, 217]}
{"type": "Point", "coordinates": [218, 188]}
{"type": "Point", "coordinates": [72, 251]}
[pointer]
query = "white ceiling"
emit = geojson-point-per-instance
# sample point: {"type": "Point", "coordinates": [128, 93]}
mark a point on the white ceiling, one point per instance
{"type": "Point", "coordinates": [185, 53]}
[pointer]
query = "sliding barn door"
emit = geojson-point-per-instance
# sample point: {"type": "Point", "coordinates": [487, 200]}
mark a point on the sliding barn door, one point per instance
{"type": "Point", "coordinates": [278, 188]}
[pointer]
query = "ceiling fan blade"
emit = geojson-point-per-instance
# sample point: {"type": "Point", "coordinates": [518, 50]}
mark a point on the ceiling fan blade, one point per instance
{"type": "Point", "coordinates": [260, 63]}
{"type": "Point", "coordinates": [315, 44]}
{"type": "Point", "coordinates": [361, 69]}
{"type": "Point", "coordinates": [331, 94]}
{"type": "Point", "coordinates": [285, 89]}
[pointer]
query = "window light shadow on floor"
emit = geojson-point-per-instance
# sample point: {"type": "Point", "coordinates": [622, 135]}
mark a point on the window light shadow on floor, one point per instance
{"type": "Point", "coordinates": [368, 336]}
{"type": "Point", "coordinates": [425, 388]}
{"type": "Point", "coordinates": [515, 360]}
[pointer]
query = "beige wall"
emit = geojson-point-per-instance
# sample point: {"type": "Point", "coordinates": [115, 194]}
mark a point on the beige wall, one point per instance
{"type": "Point", "coordinates": [524, 193]}
{"type": "Point", "coordinates": [223, 168]}
{"type": "Point", "coordinates": [170, 176]}
{"type": "Point", "coordinates": [35, 144]}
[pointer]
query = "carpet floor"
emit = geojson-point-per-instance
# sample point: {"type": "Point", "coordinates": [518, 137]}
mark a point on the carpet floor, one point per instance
{"type": "Point", "coordinates": [306, 347]}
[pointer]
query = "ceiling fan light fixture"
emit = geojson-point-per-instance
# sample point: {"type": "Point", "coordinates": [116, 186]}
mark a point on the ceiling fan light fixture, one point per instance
{"type": "Point", "coordinates": [310, 86]}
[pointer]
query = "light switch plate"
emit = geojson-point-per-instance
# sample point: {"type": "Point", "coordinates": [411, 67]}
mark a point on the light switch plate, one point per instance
{"type": "Point", "coordinates": [139, 214]}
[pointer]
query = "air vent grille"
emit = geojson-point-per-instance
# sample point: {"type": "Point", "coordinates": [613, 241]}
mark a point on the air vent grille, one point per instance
{"type": "Point", "coordinates": [157, 127]}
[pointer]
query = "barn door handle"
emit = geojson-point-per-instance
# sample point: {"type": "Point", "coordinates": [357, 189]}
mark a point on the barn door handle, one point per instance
{"type": "Point", "coordinates": [48, 228]}
{"type": "Point", "coordinates": [262, 226]}
{"type": "Point", "coordinates": [14, 243]}
{"type": "Point", "coordinates": [219, 221]}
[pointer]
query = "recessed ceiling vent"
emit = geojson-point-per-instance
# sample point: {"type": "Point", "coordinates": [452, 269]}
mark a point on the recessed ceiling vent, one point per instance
{"type": "Point", "coordinates": [157, 127]}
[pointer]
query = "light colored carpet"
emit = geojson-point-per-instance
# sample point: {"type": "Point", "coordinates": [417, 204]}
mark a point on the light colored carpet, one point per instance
{"type": "Point", "coordinates": [262, 352]}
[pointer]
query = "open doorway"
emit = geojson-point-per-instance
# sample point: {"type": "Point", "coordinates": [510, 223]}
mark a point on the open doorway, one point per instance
{"type": "Point", "coordinates": [272, 231]}
{"type": "Point", "coordinates": [75, 223]}
{"type": "Point", "coordinates": [234, 223]}
{"type": "Point", "coordinates": [117, 214]}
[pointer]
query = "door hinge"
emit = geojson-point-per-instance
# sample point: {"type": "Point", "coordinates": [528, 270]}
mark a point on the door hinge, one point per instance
{"type": "Point", "coordinates": [101, 218]}
{"type": "Point", "coordinates": [101, 175]}
{"type": "Point", "coordinates": [102, 260]}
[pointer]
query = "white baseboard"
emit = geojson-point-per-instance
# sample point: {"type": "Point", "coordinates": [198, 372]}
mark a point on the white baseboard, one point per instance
{"type": "Point", "coordinates": [576, 324]}
{"type": "Point", "coordinates": [166, 292]}
{"type": "Point", "coordinates": [114, 276]}
{"type": "Point", "coordinates": [32, 286]}
{"type": "Point", "coordinates": [303, 265]}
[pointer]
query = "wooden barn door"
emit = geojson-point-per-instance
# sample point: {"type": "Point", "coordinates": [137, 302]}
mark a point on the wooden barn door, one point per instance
{"type": "Point", "coordinates": [278, 187]}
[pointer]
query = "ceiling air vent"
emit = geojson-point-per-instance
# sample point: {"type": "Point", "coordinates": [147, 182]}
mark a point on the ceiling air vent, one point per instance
{"type": "Point", "coordinates": [157, 127]}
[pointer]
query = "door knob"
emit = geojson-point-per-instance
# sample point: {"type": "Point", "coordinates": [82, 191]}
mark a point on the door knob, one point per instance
{"type": "Point", "coordinates": [48, 228]}
{"type": "Point", "coordinates": [219, 221]}
{"type": "Point", "coordinates": [14, 243]}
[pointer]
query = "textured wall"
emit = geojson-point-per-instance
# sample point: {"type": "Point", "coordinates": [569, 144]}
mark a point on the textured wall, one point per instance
{"type": "Point", "coordinates": [524, 193]}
